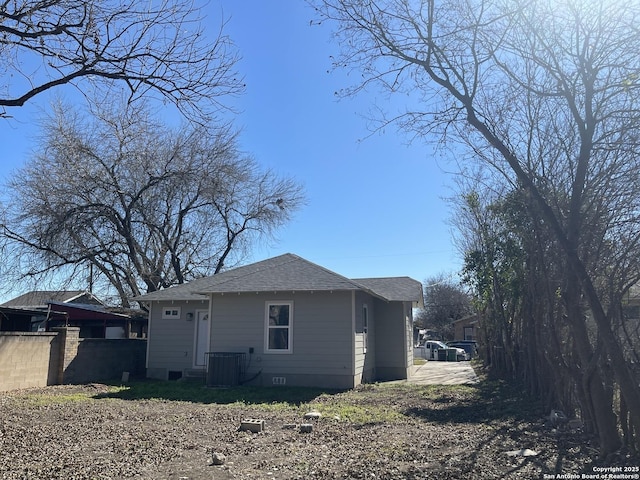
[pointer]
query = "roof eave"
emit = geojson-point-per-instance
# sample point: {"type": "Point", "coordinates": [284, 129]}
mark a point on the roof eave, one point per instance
{"type": "Point", "coordinates": [297, 290]}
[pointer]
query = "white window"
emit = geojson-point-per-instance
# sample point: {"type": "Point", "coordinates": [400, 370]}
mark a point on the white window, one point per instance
{"type": "Point", "coordinates": [365, 326]}
{"type": "Point", "coordinates": [468, 333]}
{"type": "Point", "coordinates": [279, 327]}
{"type": "Point", "coordinates": [170, 313]}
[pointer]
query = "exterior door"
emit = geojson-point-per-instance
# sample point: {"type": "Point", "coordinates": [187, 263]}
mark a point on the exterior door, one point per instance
{"type": "Point", "coordinates": [202, 339]}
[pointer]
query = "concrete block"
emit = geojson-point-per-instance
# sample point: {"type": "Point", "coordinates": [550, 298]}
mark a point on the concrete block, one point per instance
{"type": "Point", "coordinates": [252, 425]}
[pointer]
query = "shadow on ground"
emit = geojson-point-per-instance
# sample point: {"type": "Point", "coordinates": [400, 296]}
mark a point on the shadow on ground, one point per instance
{"type": "Point", "coordinates": [484, 402]}
{"type": "Point", "coordinates": [196, 392]}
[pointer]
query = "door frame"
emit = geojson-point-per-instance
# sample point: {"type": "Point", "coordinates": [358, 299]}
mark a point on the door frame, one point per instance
{"type": "Point", "coordinates": [196, 337]}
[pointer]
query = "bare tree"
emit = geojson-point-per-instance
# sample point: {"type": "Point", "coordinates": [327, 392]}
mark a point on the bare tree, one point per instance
{"type": "Point", "coordinates": [151, 47]}
{"type": "Point", "coordinates": [511, 263]}
{"type": "Point", "coordinates": [547, 94]}
{"type": "Point", "coordinates": [445, 302]}
{"type": "Point", "coordinates": [143, 205]}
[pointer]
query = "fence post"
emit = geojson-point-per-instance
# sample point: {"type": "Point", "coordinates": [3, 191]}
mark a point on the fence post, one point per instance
{"type": "Point", "coordinates": [69, 338]}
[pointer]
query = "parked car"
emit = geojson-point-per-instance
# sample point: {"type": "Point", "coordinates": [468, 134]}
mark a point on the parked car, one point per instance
{"type": "Point", "coordinates": [469, 346]}
{"type": "Point", "coordinates": [431, 348]}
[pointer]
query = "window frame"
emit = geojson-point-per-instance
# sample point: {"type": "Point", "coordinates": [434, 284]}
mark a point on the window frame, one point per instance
{"type": "Point", "coordinates": [174, 314]}
{"type": "Point", "coordinates": [268, 327]}
{"type": "Point", "coordinates": [469, 333]}
{"type": "Point", "coordinates": [365, 327]}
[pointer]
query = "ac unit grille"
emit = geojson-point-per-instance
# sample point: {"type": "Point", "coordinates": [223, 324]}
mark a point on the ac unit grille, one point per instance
{"type": "Point", "coordinates": [225, 369]}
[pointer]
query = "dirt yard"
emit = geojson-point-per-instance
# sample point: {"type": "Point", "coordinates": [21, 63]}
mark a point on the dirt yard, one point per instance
{"type": "Point", "coordinates": [375, 432]}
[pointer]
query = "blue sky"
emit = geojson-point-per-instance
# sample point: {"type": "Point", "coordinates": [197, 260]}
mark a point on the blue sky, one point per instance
{"type": "Point", "coordinates": [375, 203]}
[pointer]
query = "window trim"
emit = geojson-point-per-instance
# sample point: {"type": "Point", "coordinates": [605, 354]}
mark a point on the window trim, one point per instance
{"type": "Point", "coordinates": [267, 327]}
{"type": "Point", "coordinates": [173, 315]}
{"type": "Point", "coordinates": [468, 330]}
{"type": "Point", "coordinates": [365, 327]}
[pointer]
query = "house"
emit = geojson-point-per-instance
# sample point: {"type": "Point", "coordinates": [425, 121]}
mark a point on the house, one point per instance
{"type": "Point", "coordinates": [17, 319]}
{"type": "Point", "coordinates": [39, 299]}
{"type": "Point", "coordinates": [96, 321]}
{"type": "Point", "coordinates": [466, 328]}
{"type": "Point", "coordinates": [43, 310]}
{"type": "Point", "coordinates": [290, 322]}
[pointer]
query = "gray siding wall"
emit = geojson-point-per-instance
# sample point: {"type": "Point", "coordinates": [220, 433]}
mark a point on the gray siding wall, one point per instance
{"type": "Point", "coordinates": [322, 337]}
{"type": "Point", "coordinates": [365, 358]}
{"type": "Point", "coordinates": [171, 341]}
{"type": "Point", "coordinates": [408, 325]}
{"type": "Point", "coordinates": [391, 341]}
{"type": "Point", "coordinates": [328, 342]}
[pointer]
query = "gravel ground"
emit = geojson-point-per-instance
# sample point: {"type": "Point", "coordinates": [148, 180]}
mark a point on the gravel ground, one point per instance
{"type": "Point", "coordinates": [374, 432]}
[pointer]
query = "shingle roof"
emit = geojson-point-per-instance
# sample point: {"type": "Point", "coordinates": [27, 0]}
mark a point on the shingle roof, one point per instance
{"type": "Point", "coordinates": [39, 298]}
{"type": "Point", "coordinates": [286, 272]}
{"type": "Point", "coordinates": [185, 291]}
{"type": "Point", "coordinates": [394, 288]}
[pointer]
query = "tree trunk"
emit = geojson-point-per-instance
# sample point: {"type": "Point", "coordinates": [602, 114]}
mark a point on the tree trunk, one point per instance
{"type": "Point", "coordinates": [628, 386]}
{"type": "Point", "coordinates": [593, 385]}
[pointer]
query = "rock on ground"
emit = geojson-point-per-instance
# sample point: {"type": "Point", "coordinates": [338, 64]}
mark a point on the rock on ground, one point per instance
{"type": "Point", "coordinates": [428, 434]}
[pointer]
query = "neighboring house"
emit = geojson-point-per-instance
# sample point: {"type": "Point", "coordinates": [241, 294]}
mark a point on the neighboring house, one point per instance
{"type": "Point", "coordinates": [293, 322]}
{"type": "Point", "coordinates": [39, 299]}
{"type": "Point", "coordinates": [466, 328]}
{"type": "Point", "coordinates": [15, 319]}
{"type": "Point", "coordinates": [43, 310]}
{"type": "Point", "coordinates": [631, 305]}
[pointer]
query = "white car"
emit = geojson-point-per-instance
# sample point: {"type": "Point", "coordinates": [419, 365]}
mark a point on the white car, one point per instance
{"type": "Point", "coordinates": [431, 348]}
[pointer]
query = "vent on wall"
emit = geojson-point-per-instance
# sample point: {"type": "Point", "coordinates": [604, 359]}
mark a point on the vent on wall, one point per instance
{"type": "Point", "coordinates": [279, 380]}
